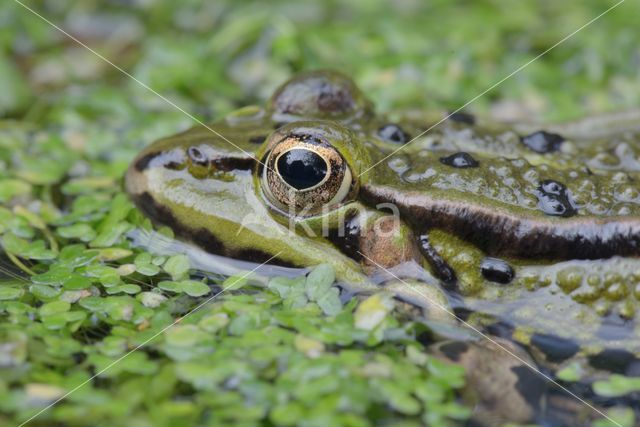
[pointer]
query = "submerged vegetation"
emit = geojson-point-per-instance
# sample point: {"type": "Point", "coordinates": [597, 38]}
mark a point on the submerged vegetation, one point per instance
{"type": "Point", "coordinates": [76, 297]}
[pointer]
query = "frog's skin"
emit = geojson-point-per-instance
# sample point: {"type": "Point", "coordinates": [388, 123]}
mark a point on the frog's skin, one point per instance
{"type": "Point", "coordinates": [561, 208]}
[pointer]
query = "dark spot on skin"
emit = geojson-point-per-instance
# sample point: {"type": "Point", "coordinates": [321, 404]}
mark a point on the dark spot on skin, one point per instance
{"type": "Point", "coordinates": [393, 133]}
{"type": "Point", "coordinates": [543, 142]}
{"type": "Point", "coordinates": [553, 187]}
{"type": "Point", "coordinates": [530, 385]}
{"type": "Point", "coordinates": [257, 139]}
{"type": "Point", "coordinates": [228, 164]}
{"type": "Point", "coordinates": [347, 239]}
{"type": "Point", "coordinates": [460, 160]}
{"type": "Point", "coordinates": [552, 206]}
{"type": "Point", "coordinates": [462, 313]}
{"type": "Point", "coordinates": [453, 350]}
{"type": "Point", "coordinates": [556, 349]}
{"type": "Point", "coordinates": [440, 267]}
{"type": "Point", "coordinates": [143, 162]}
{"type": "Point", "coordinates": [501, 329]}
{"type": "Point", "coordinates": [462, 117]}
{"type": "Point", "coordinates": [554, 199]}
{"type": "Point", "coordinates": [613, 360]}
{"type": "Point", "coordinates": [496, 270]}
{"type": "Point", "coordinates": [175, 166]}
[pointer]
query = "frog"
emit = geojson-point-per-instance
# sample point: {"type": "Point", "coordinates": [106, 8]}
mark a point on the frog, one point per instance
{"type": "Point", "coordinates": [516, 228]}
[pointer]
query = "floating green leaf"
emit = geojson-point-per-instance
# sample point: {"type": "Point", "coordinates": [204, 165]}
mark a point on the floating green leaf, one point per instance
{"type": "Point", "coordinates": [83, 232]}
{"type": "Point", "coordinates": [54, 307]}
{"type": "Point", "coordinates": [10, 292]}
{"type": "Point", "coordinates": [194, 288]}
{"type": "Point", "coordinates": [616, 385]}
{"type": "Point", "coordinates": [10, 188]}
{"type": "Point", "coordinates": [177, 266]}
{"type": "Point", "coordinates": [319, 281]}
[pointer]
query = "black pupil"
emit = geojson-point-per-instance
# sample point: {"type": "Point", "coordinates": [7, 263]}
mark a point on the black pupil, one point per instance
{"type": "Point", "coordinates": [302, 168]}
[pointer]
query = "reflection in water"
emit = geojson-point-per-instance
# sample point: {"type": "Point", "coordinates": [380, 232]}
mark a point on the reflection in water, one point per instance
{"type": "Point", "coordinates": [205, 262]}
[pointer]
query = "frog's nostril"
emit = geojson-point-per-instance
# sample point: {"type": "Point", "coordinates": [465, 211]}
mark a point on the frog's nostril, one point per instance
{"type": "Point", "coordinates": [196, 155]}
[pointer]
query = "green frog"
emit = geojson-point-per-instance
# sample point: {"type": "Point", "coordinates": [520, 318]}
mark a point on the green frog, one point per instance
{"type": "Point", "coordinates": [529, 232]}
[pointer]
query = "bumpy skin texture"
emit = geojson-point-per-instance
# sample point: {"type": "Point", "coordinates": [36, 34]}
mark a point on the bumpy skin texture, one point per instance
{"type": "Point", "coordinates": [559, 203]}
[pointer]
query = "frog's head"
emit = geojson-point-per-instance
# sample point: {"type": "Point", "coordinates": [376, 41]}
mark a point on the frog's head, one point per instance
{"type": "Point", "coordinates": [233, 196]}
{"type": "Point", "coordinates": [293, 178]}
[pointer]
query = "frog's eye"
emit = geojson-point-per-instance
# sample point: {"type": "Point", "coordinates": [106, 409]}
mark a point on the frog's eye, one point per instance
{"type": "Point", "coordinates": [301, 168]}
{"type": "Point", "coordinates": [303, 174]}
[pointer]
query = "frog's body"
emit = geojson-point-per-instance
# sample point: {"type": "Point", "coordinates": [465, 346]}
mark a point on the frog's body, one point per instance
{"type": "Point", "coordinates": [318, 161]}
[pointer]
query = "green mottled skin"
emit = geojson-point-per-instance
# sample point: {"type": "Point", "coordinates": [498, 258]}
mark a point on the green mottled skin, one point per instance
{"type": "Point", "coordinates": [597, 163]}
